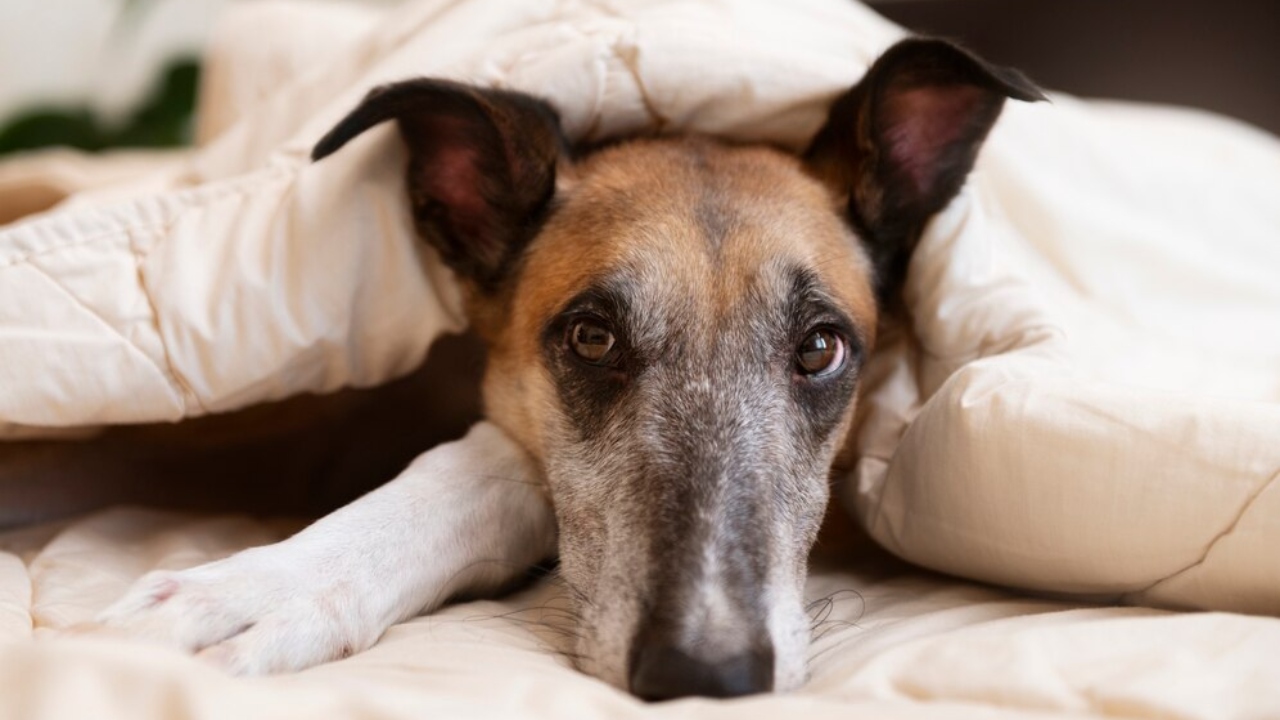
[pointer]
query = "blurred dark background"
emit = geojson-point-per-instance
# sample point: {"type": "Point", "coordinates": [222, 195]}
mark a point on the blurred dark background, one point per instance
{"type": "Point", "coordinates": [1222, 55]}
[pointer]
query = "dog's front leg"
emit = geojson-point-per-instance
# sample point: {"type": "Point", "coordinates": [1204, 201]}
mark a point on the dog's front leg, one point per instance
{"type": "Point", "coordinates": [466, 516]}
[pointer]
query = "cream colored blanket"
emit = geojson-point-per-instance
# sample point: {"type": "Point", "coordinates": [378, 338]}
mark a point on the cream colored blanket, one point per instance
{"type": "Point", "coordinates": [891, 643]}
{"type": "Point", "coordinates": [1088, 401]}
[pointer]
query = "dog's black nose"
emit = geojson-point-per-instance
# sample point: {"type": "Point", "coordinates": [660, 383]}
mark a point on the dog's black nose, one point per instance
{"type": "Point", "coordinates": [662, 672]}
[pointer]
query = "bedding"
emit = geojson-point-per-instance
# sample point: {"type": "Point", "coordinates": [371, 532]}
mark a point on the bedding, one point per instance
{"type": "Point", "coordinates": [1085, 403]}
{"type": "Point", "coordinates": [892, 642]}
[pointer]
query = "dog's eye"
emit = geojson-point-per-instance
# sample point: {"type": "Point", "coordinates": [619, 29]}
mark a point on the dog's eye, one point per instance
{"type": "Point", "coordinates": [820, 353]}
{"type": "Point", "coordinates": [591, 341]}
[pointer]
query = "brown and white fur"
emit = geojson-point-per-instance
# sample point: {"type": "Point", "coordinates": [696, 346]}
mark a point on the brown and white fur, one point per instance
{"type": "Point", "coordinates": [675, 331]}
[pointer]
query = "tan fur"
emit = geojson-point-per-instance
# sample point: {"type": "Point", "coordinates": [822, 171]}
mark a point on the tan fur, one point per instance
{"type": "Point", "coordinates": [704, 214]}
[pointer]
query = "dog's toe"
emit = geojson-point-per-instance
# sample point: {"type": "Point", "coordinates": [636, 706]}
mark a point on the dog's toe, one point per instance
{"type": "Point", "coordinates": [276, 645]}
{"type": "Point", "coordinates": [248, 614]}
{"type": "Point", "coordinates": [186, 610]}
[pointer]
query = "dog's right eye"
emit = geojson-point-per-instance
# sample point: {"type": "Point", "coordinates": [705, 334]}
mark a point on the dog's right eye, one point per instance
{"type": "Point", "coordinates": [592, 341]}
{"type": "Point", "coordinates": [821, 353]}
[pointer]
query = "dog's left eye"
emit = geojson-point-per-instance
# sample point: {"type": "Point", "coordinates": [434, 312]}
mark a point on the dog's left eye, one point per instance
{"type": "Point", "coordinates": [591, 341]}
{"type": "Point", "coordinates": [820, 353]}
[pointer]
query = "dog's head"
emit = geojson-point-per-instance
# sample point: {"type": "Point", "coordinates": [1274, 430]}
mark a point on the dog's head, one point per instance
{"type": "Point", "coordinates": [676, 328]}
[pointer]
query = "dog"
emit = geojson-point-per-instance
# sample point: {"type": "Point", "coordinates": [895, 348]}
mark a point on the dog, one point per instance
{"type": "Point", "coordinates": [675, 329]}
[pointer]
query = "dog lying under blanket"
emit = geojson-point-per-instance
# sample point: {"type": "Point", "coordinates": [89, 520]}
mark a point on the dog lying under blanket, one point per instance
{"type": "Point", "coordinates": [675, 330]}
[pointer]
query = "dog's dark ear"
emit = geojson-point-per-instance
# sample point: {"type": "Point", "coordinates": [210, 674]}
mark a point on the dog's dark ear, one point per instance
{"type": "Point", "coordinates": [900, 143]}
{"type": "Point", "coordinates": [482, 167]}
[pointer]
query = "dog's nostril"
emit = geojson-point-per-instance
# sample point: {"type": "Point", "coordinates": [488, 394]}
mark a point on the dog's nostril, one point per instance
{"type": "Point", "coordinates": [663, 672]}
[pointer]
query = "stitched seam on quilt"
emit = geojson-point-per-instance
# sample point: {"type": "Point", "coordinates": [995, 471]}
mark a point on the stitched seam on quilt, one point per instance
{"type": "Point", "coordinates": [186, 199]}
{"type": "Point", "coordinates": [126, 231]}
{"type": "Point", "coordinates": [629, 61]}
{"type": "Point", "coordinates": [94, 314]}
{"type": "Point", "coordinates": [75, 243]}
{"type": "Point", "coordinates": [185, 390]}
{"type": "Point", "coordinates": [1230, 528]}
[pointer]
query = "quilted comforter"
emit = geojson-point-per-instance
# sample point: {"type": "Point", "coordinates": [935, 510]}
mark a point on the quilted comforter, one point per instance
{"type": "Point", "coordinates": [1086, 404]}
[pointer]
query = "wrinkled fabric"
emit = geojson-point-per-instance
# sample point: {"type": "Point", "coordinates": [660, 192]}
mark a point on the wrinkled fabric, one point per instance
{"type": "Point", "coordinates": [245, 273]}
{"type": "Point", "coordinates": [890, 642]}
{"type": "Point", "coordinates": [1086, 400]}
{"type": "Point", "coordinates": [1091, 401]}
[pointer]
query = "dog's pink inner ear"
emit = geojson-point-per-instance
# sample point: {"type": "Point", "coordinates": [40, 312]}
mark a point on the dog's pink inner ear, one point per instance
{"type": "Point", "coordinates": [482, 167]}
{"type": "Point", "coordinates": [453, 180]}
{"type": "Point", "coordinates": [458, 175]}
{"type": "Point", "coordinates": [922, 126]}
{"type": "Point", "coordinates": [899, 144]}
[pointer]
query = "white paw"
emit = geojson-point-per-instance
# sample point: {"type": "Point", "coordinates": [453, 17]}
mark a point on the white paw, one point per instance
{"type": "Point", "coordinates": [253, 613]}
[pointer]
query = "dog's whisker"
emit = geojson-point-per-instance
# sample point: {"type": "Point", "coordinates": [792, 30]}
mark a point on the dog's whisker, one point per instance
{"type": "Point", "coordinates": [820, 609]}
{"type": "Point", "coordinates": [537, 627]}
{"type": "Point", "coordinates": [560, 624]}
{"type": "Point", "coordinates": [545, 617]}
{"type": "Point", "coordinates": [578, 595]}
{"type": "Point", "coordinates": [815, 655]}
{"type": "Point", "coordinates": [823, 624]}
{"type": "Point", "coordinates": [827, 603]}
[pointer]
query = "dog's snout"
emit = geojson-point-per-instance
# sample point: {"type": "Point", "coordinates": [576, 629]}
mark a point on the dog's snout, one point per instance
{"type": "Point", "coordinates": [660, 671]}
